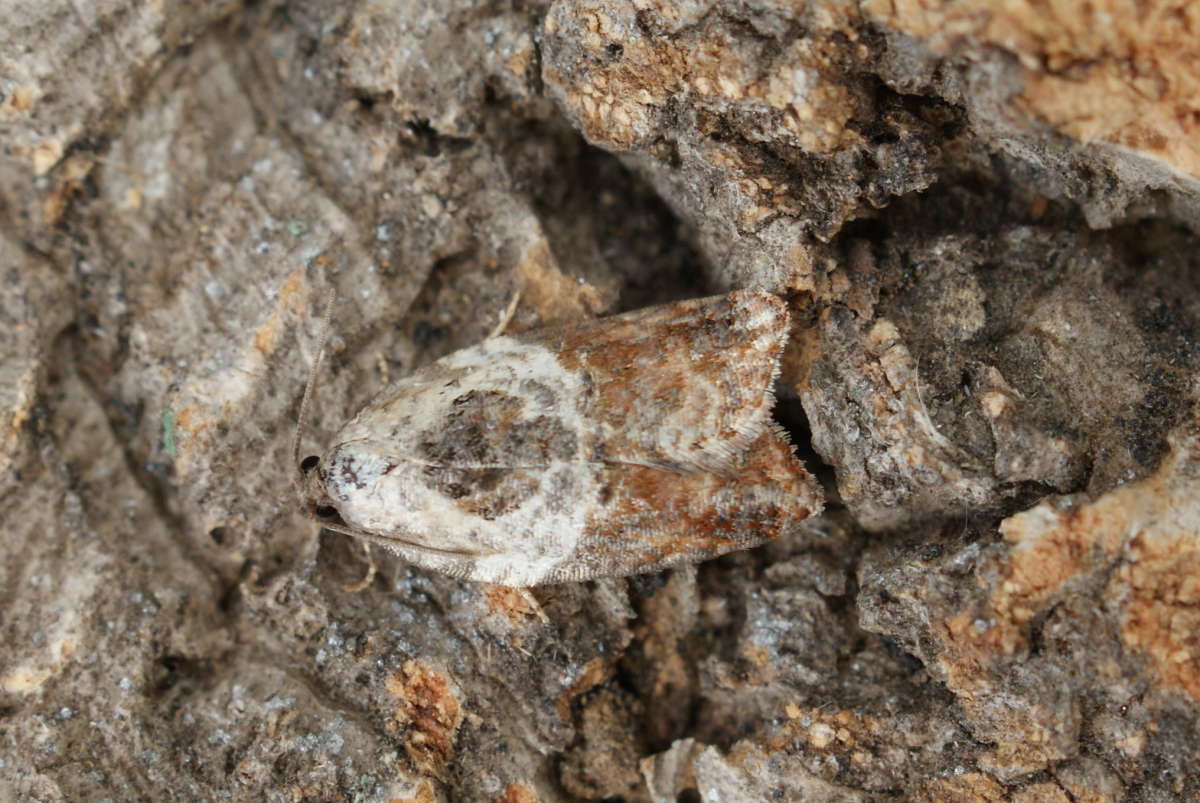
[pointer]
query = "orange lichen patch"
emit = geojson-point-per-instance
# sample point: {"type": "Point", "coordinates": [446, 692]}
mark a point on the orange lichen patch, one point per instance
{"type": "Point", "coordinates": [1153, 527]}
{"type": "Point", "coordinates": [631, 78]}
{"type": "Point", "coordinates": [595, 672]}
{"type": "Point", "coordinates": [1110, 70]}
{"type": "Point", "coordinates": [266, 337]}
{"type": "Point", "coordinates": [516, 604]}
{"type": "Point", "coordinates": [291, 292]}
{"type": "Point", "coordinates": [427, 715]}
{"type": "Point", "coordinates": [625, 86]}
{"type": "Point", "coordinates": [516, 793]}
{"type": "Point", "coordinates": [971, 648]}
{"type": "Point", "coordinates": [973, 640]}
{"type": "Point", "coordinates": [191, 429]}
{"type": "Point", "coordinates": [1049, 548]}
{"type": "Point", "coordinates": [556, 297]}
{"type": "Point", "coordinates": [1150, 531]}
{"type": "Point", "coordinates": [822, 730]}
{"type": "Point", "coordinates": [1135, 550]}
{"type": "Point", "coordinates": [978, 639]}
{"type": "Point", "coordinates": [970, 787]}
{"type": "Point", "coordinates": [1162, 616]}
{"type": "Point", "coordinates": [190, 422]}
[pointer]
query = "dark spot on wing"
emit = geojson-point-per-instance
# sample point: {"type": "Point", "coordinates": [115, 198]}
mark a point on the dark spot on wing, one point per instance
{"type": "Point", "coordinates": [489, 428]}
{"type": "Point", "coordinates": [484, 492]}
{"type": "Point", "coordinates": [348, 472]}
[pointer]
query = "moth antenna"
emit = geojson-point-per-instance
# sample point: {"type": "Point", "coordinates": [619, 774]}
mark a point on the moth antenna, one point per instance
{"type": "Point", "coordinates": [312, 378]}
{"type": "Point", "coordinates": [507, 317]}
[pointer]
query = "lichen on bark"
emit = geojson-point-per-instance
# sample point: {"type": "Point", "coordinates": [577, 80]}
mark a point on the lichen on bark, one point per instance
{"type": "Point", "coordinates": [984, 218]}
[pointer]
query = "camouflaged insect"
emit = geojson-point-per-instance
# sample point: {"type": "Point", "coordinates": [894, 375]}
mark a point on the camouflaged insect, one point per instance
{"type": "Point", "coordinates": [612, 447]}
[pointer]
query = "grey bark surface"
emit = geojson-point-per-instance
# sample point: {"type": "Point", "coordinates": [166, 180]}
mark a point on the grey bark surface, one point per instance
{"type": "Point", "coordinates": [993, 370]}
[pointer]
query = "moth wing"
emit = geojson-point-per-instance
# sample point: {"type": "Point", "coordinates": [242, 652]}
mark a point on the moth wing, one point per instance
{"type": "Point", "coordinates": [506, 524]}
{"type": "Point", "coordinates": [613, 447]}
{"type": "Point", "coordinates": [576, 521]}
{"type": "Point", "coordinates": [653, 518]}
{"type": "Point", "coordinates": [686, 386]}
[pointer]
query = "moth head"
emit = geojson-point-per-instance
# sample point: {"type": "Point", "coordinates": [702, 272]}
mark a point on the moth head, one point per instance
{"type": "Point", "coordinates": [316, 500]}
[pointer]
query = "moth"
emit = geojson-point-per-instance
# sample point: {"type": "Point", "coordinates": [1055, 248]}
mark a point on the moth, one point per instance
{"type": "Point", "coordinates": [610, 447]}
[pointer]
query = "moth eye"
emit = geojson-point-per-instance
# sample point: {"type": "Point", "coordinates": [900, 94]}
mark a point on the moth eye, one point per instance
{"type": "Point", "coordinates": [325, 511]}
{"type": "Point", "coordinates": [309, 463]}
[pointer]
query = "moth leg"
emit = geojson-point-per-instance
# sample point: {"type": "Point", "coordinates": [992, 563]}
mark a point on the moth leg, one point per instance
{"type": "Point", "coordinates": [534, 605]}
{"type": "Point", "coordinates": [362, 584]}
{"type": "Point", "coordinates": [507, 317]}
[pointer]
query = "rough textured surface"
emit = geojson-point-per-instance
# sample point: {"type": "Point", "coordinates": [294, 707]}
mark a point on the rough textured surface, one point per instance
{"type": "Point", "coordinates": [984, 217]}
